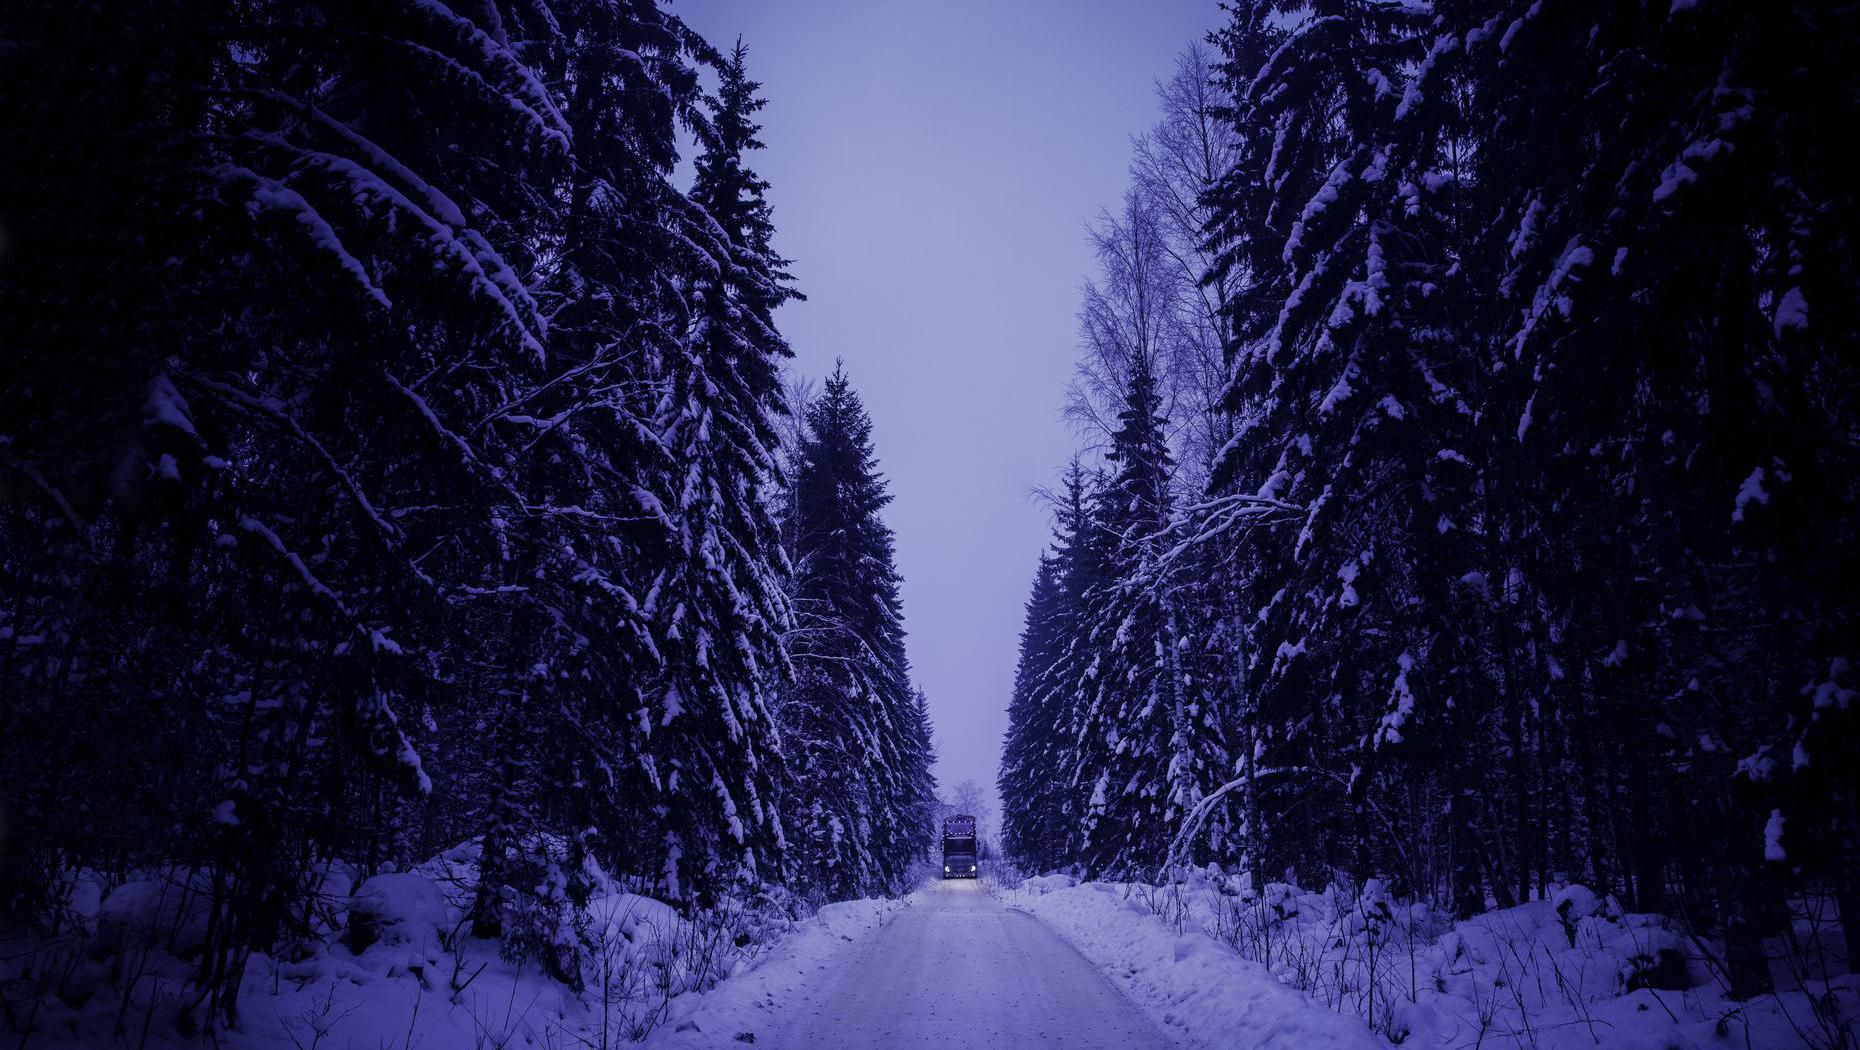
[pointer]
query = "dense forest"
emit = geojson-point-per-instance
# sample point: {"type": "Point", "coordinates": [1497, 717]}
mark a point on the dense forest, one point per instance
{"type": "Point", "coordinates": [395, 453]}
{"type": "Point", "coordinates": [403, 473]}
{"type": "Point", "coordinates": [1468, 489]}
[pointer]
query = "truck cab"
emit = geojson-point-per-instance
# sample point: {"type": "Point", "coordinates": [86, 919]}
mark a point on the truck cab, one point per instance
{"type": "Point", "coordinates": [959, 853]}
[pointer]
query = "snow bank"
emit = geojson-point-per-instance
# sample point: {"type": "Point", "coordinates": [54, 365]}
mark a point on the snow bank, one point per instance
{"type": "Point", "coordinates": [750, 1006]}
{"type": "Point", "coordinates": [1041, 885]}
{"type": "Point", "coordinates": [398, 911]}
{"type": "Point", "coordinates": [1214, 957]}
{"type": "Point", "coordinates": [390, 961]}
{"type": "Point", "coordinates": [1192, 986]}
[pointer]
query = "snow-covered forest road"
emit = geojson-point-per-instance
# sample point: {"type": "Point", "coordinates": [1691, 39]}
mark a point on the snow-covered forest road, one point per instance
{"type": "Point", "coordinates": [958, 969]}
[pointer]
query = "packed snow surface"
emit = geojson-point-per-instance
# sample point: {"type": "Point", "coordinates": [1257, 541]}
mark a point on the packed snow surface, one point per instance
{"type": "Point", "coordinates": [957, 970]}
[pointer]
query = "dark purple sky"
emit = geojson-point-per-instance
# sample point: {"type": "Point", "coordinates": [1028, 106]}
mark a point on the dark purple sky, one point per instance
{"type": "Point", "coordinates": [933, 169]}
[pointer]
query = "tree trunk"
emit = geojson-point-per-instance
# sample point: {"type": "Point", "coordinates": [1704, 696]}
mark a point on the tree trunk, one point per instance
{"type": "Point", "coordinates": [1468, 894]}
{"type": "Point", "coordinates": [1743, 927]}
{"type": "Point", "coordinates": [1848, 897]}
{"type": "Point", "coordinates": [1649, 871]}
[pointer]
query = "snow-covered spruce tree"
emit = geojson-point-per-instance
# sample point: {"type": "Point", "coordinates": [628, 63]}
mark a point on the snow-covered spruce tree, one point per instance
{"type": "Point", "coordinates": [1352, 403]}
{"type": "Point", "coordinates": [70, 385]}
{"type": "Point", "coordinates": [1129, 735]}
{"type": "Point", "coordinates": [920, 811]}
{"type": "Point", "coordinates": [262, 469]}
{"type": "Point", "coordinates": [856, 746]}
{"type": "Point", "coordinates": [1595, 567]}
{"type": "Point", "coordinates": [1045, 804]}
{"type": "Point", "coordinates": [1029, 824]}
{"type": "Point", "coordinates": [666, 405]}
{"type": "Point", "coordinates": [1675, 364]}
{"type": "Point", "coordinates": [1161, 289]}
{"type": "Point", "coordinates": [722, 605]}
{"type": "Point", "coordinates": [1527, 334]}
{"type": "Point", "coordinates": [1137, 322]}
{"type": "Point", "coordinates": [362, 468]}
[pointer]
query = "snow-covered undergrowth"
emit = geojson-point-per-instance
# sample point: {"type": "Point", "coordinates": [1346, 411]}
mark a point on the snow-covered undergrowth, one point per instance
{"type": "Point", "coordinates": [390, 961]}
{"type": "Point", "coordinates": [1192, 986]}
{"type": "Point", "coordinates": [1213, 956]}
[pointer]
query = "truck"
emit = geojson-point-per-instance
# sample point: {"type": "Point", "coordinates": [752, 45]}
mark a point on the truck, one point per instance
{"type": "Point", "coordinates": [959, 846]}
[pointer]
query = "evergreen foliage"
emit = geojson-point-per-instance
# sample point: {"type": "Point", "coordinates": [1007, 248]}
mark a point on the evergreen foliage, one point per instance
{"type": "Point", "coordinates": [859, 794]}
{"type": "Point", "coordinates": [390, 457]}
{"type": "Point", "coordinates": [1518, 564]}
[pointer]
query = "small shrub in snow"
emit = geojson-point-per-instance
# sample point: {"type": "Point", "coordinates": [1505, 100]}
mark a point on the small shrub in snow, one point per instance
{"type": "Point", "coordinates": [1282, 899]}
{"type": "Point", "coordinates": [1574, 903]}
{"type": "Point", "coordinates": [397, 910]}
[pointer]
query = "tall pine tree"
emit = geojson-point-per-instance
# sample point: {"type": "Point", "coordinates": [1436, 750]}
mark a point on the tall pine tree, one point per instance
{"type": "Point", "coordinates": [858, 786]}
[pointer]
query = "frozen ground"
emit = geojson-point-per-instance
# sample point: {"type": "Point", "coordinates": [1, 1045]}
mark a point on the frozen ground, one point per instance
{"type": "Point", "coordinates": [956, 970]}
{"type": "Point", "coordinates": [1213, 957]}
